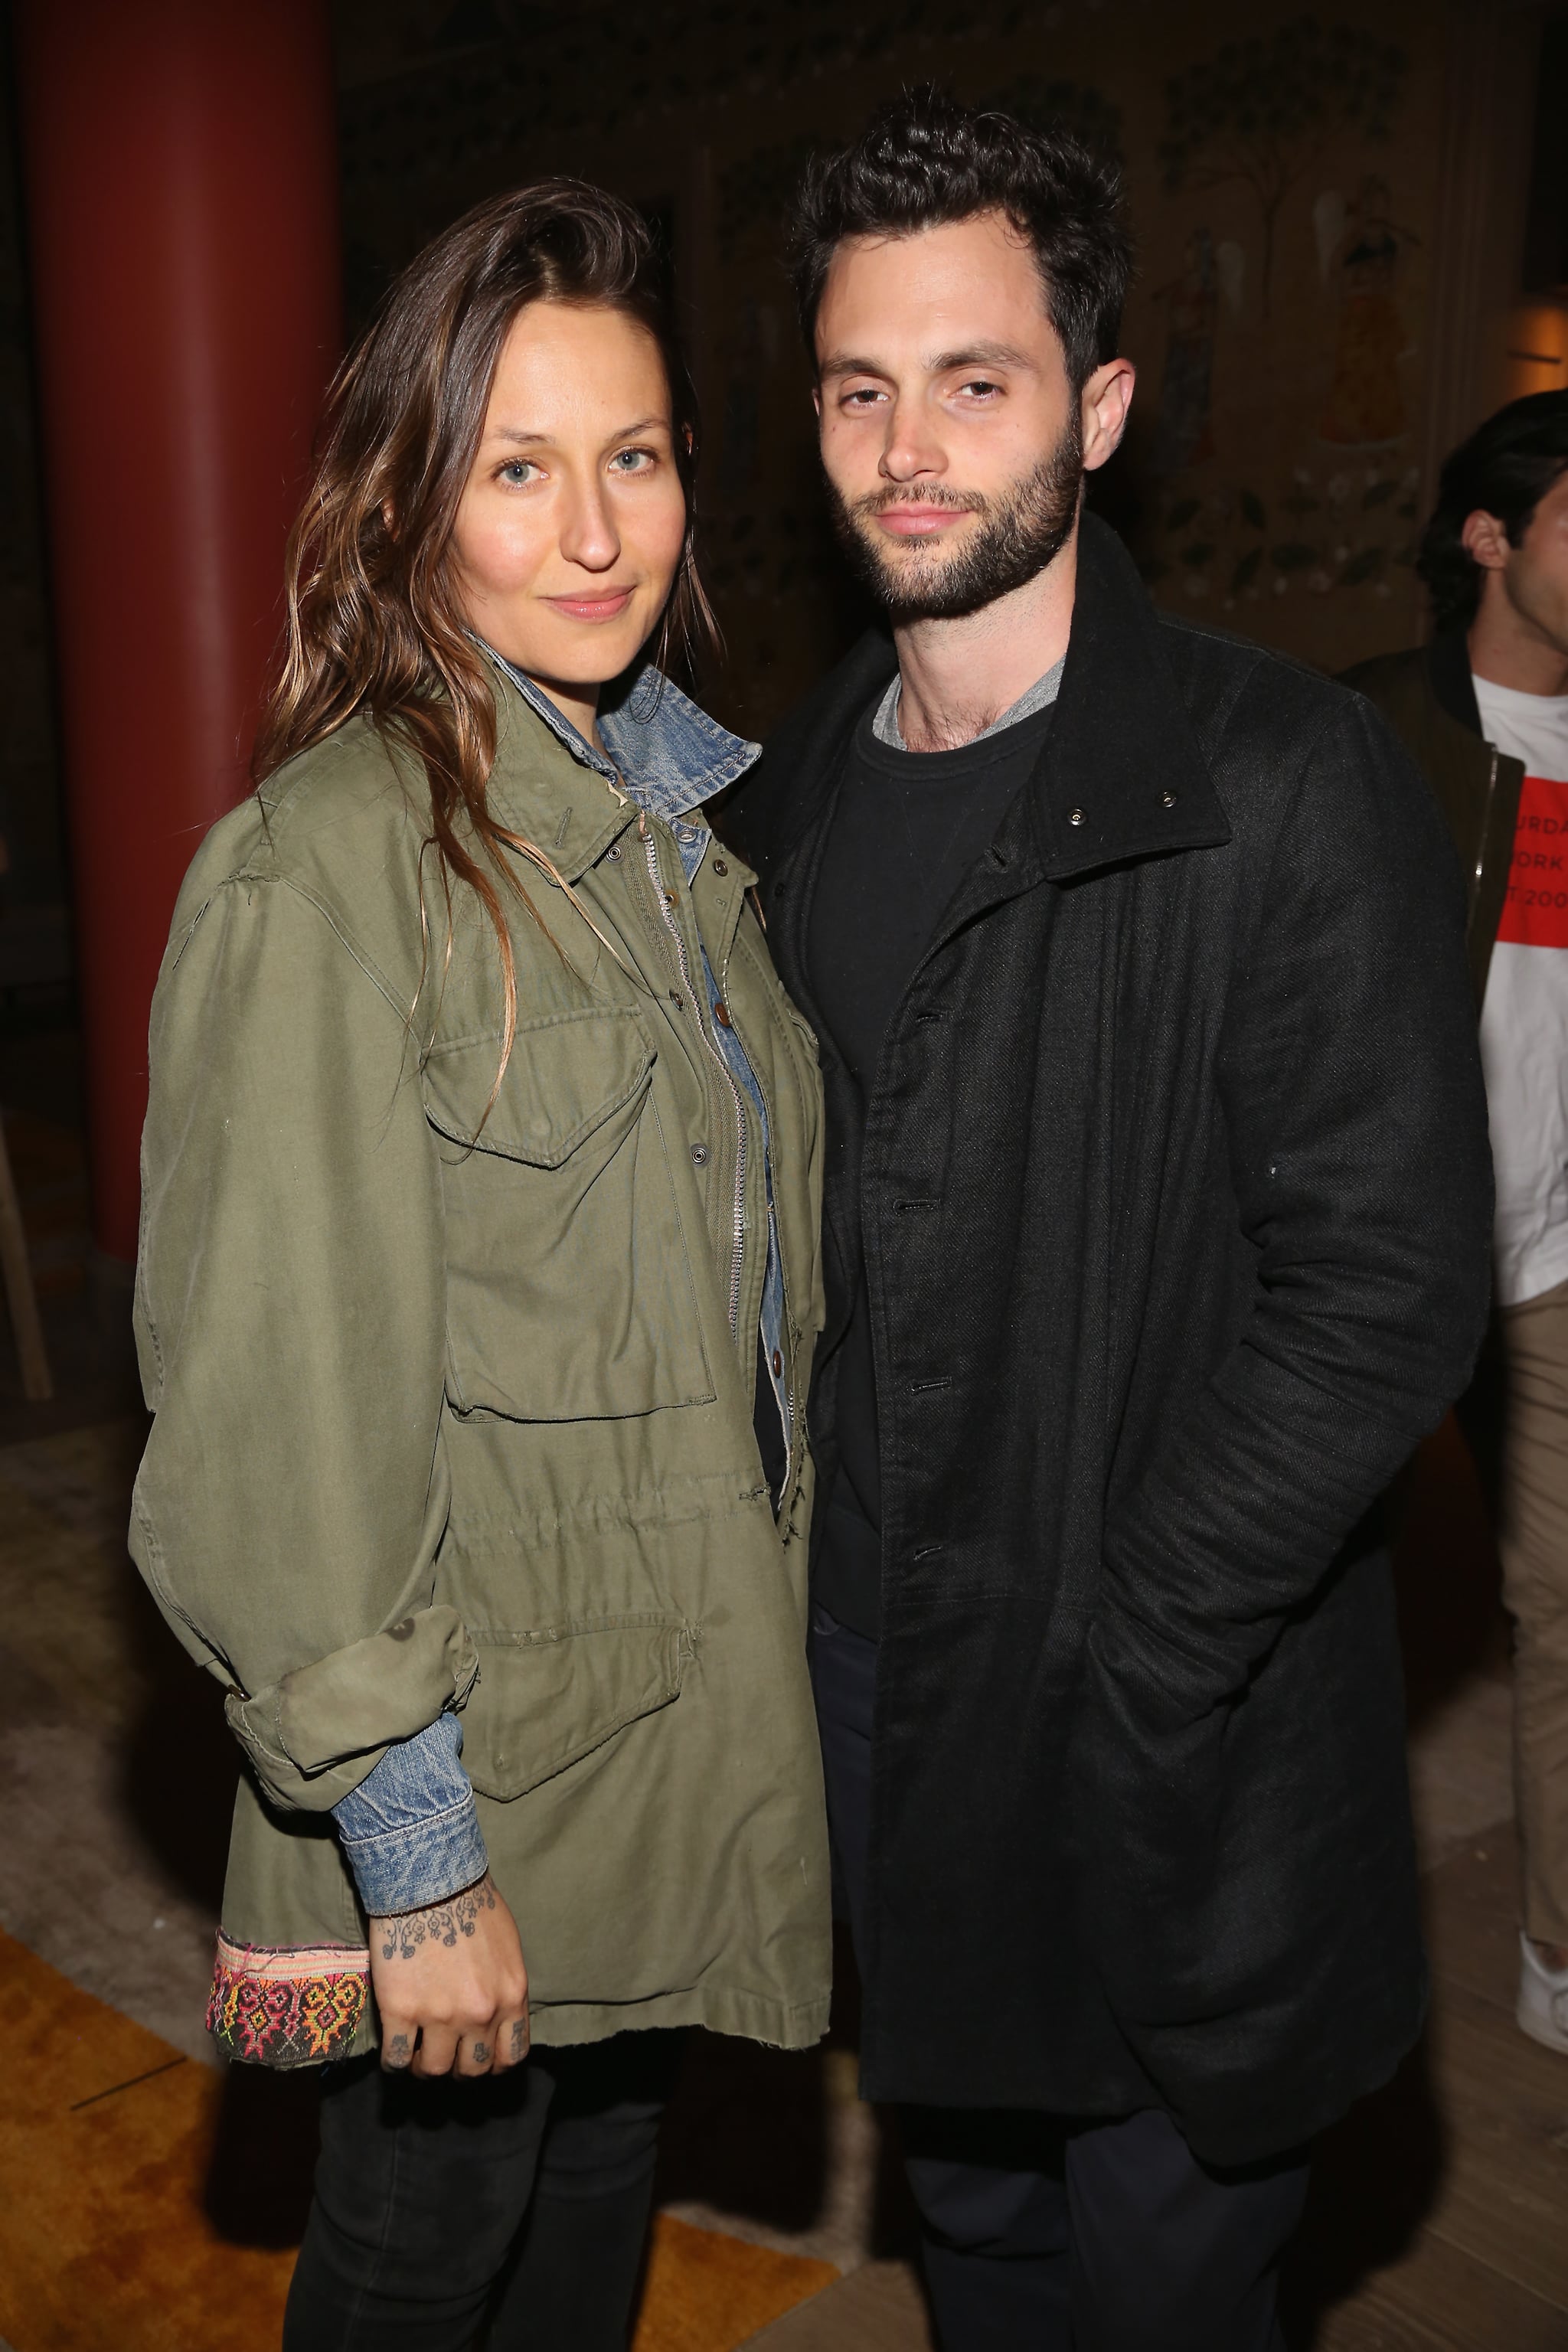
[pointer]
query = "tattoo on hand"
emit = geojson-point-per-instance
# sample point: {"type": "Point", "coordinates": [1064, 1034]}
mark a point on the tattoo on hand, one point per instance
{"type": "Point", "coordinates": [519, 2040]}
{"type": "Point", "coordinates": [482, 2054]}
{"type": "Point", "coordinates": [399, 2052]}
{"type": "Point", "coordinates": [438, 1923]}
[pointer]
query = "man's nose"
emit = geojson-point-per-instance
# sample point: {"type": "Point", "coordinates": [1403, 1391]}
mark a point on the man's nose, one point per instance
{"type": "Point", "coordinates": [910, 451]}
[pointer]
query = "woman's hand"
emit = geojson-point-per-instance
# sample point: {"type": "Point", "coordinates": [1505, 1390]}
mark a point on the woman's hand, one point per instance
{"type": "Point", "coordinates": [451, 1985]}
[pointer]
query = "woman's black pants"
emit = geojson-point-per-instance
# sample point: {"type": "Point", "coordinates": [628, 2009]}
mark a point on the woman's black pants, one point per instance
{"type": "Point", "coordinates": [500, 2213]}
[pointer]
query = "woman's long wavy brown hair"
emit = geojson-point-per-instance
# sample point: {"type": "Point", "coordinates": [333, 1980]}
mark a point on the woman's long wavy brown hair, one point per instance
{"type": "Point", "coordinates": [375, 625]}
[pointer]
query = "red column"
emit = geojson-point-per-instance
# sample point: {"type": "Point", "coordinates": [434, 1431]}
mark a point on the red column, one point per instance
{"type": "Point", "coordinates": [183, 214]}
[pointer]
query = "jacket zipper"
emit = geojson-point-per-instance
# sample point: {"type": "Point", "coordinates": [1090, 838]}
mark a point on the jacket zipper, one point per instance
{"type": "Point", "coordinates": [738, 1206]}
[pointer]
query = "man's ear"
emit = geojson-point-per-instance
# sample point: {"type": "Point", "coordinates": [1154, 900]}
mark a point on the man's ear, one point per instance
{"type": "Point", "coordinates": [1103, 403]}
{"type": "Point", "coordinates": [817, 401]}
{"type": "Point", "coordinates": [1485, 541]}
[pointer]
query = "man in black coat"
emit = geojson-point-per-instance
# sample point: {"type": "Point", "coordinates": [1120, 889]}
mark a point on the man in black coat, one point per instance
{"type": "Point", "coordinates": [1157, 1227]}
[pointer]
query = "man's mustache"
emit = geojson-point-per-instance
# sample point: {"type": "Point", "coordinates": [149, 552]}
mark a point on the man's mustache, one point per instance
{"type": "Point", "coordinates": [877, 502]}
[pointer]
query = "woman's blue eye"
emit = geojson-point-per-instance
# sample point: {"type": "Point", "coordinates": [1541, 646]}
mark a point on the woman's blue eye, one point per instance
{"type": "Point", "coordinates": [631, 460]}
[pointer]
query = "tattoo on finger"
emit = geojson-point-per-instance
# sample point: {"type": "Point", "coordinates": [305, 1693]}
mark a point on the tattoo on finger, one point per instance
{"type": "Point", "coordinates": [399, 2050]}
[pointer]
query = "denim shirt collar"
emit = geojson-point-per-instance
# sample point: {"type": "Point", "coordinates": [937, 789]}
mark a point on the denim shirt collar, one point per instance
{"type": "Point", "coordinates": [667, 754]}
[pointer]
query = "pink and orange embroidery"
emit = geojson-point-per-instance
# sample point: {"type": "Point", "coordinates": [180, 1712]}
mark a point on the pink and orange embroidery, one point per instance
{"type": "Point", "coordinates": [296, 2007]}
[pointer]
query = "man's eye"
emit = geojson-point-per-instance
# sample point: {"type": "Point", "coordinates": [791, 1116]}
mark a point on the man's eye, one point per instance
{"type": "Point", "coordinates": [865, 397]}
{"type": "Point", "coordinates": [980, 383]}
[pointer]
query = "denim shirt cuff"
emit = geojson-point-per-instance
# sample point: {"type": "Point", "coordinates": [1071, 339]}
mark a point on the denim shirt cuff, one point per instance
{"type": "Point", "coordinates": [411, 1830]}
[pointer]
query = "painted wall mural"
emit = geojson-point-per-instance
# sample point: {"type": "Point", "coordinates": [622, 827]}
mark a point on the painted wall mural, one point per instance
{"type": "Point", "coordinates": [1281, 175]}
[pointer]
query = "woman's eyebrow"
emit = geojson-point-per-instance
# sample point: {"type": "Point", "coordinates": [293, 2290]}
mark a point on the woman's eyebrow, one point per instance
{"type": "Point", "coordinates": [522, 436]}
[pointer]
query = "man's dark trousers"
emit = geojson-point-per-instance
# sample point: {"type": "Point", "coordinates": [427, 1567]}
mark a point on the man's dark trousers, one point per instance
{"type": "Point", "coordinates": [1041, 2234]}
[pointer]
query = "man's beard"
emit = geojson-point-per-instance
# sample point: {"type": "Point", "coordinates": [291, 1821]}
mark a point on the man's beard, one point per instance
{"type": "Point", "coordinates": [1018, 533]}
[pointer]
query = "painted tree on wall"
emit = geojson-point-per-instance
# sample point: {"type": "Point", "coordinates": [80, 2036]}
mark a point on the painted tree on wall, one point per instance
{"type": "Point", "coordinates": [1263, 111]}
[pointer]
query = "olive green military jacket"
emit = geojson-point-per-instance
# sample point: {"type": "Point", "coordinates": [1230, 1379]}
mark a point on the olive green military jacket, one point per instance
{"type": "Point", "coordinates": [453, 1391]}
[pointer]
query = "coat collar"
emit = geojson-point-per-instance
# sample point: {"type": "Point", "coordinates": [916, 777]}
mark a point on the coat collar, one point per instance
{"type": "Point", "coordinates": [666, 754]}
{"type": "Point", "coordinates": [1122, 774]}
{"type": "Point", "coordinates": [1448, 675]}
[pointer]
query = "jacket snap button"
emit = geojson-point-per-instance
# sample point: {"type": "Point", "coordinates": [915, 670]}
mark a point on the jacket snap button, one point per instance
{"type": "Point", "coordinates": [722, 1015]}
{"type": "Point", "coordinates": [676, 999]}
{"type": "Point", "coordinates": [1168, 800]}
{"type": "Point", "coordinates": [778, 1363]}
{"type": "Point", "coordinates": [700, 1154]}
{"type": "Point", "coordinates": [614, 852]}
{"type": "Point", "coordinates": [1075, 816]}
{"type": "Point", "coordinates": [720, 868]}
{"type": "Point", "coordinates": [670, 897]}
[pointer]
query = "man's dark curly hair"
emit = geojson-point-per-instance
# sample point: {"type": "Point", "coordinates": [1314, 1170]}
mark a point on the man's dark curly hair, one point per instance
{"type": "Point", "coordinates": [924, 160]}
{"type": "Point", "coordinates": [1505, 468]}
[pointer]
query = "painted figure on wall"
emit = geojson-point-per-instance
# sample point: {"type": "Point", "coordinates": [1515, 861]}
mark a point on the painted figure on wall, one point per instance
{"type": "Point", "coordinates": [1366, 404]}
{"type": "Point", "coordinates": [1186, 433]}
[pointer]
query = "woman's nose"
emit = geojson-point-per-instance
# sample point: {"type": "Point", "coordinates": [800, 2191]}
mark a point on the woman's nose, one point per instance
{"type": "Point", "coordinates": [588, 536]}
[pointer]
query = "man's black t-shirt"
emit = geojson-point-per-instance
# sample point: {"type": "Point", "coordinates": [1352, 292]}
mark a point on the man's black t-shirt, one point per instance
{"type": "Point", "coordinates": [907, 827]}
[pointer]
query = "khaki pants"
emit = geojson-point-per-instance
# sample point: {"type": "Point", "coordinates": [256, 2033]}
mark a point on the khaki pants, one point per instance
{"type": "Point", "coordinates": [1532, 1536]}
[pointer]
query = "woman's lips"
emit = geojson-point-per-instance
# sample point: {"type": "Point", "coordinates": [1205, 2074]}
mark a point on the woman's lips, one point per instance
{"type": "Point", "coordinates": [593, 608]}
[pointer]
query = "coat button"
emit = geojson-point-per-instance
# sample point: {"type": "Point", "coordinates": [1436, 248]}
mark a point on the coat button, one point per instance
{"type": "Point", "coordinates": [778, 1363]}
{"type": "Point", "coordinates": [1168, 800]}
{"type": "Point", "coordinates": [720, 868]}
{"type": "Point", "coordinates": [700, 1154]}
{"type": "Point", "coordinates": [613, 852]}
{"type": "Point", "coordinates": [670, 897]}
{"type": "Point", "coordinates": [677, 999]}
{"type": "Point", "coordinates": [1075, 816]}
{"type": "Point", "coordinates": [722, 1015]}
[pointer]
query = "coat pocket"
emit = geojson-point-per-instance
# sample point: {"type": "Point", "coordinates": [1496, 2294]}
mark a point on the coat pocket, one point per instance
{"type": "Point", "coordinates": [545, 1699]}
{"type": "Point", "coordinates": [569, 1290]}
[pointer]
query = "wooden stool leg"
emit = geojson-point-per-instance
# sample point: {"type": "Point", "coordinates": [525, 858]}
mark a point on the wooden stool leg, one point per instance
{"type": "Point", "coordinates": [20, 1296]}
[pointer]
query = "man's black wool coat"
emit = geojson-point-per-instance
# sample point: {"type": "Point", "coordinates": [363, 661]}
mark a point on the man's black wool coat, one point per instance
{"type": "Point", "coordinates": [1176, 1198]}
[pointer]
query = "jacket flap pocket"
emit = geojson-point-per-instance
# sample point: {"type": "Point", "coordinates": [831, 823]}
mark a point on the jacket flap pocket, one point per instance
{"type": "Point", "coordinates": [544, 1699]}
{"type": "Point", "coordinates": [564, 1078]}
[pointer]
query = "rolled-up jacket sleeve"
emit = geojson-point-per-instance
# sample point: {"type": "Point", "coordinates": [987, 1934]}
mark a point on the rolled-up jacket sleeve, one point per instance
{"type": "Point", "coordinates": [291, 1323]}
{"type": "Point", "coordinates": [411, 1830]}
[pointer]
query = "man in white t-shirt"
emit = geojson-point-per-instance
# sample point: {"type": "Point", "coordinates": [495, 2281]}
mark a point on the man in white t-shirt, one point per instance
{"type": "Point", "coordinates": [1485, 709]}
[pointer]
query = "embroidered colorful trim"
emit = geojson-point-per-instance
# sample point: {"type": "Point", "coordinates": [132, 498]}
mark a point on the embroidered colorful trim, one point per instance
{"type": "Point", "coordinates": [288, 2007]}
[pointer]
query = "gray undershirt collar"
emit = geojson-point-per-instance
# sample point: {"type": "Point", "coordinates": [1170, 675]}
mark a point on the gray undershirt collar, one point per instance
{"type": "Point", "coordinates": [885, 725]}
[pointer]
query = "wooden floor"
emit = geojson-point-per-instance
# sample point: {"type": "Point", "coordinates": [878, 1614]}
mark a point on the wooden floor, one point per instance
{"type": "Point", "coordinates": [1439, 2220]}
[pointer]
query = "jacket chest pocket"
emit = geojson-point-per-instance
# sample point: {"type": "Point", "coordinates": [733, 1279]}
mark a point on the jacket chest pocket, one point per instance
{"type": "Point", "coordinates": [569, 1290]}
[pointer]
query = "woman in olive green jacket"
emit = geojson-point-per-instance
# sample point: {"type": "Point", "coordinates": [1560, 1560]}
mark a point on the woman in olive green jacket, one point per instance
{"type": "Point", "coordinates": [478, 1284]}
